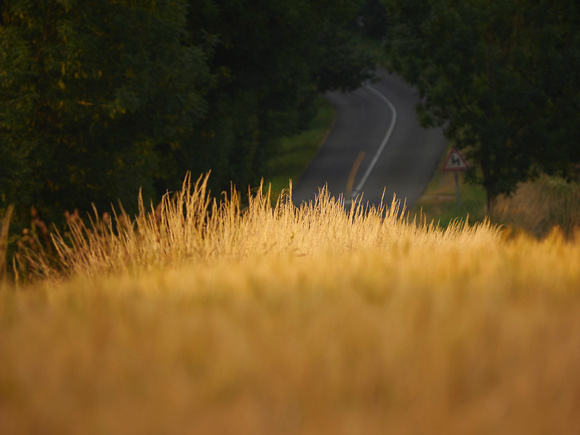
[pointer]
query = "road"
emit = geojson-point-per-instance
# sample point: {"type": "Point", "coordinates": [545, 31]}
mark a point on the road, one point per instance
{"type": "Point", "coordinates": [376, 143]}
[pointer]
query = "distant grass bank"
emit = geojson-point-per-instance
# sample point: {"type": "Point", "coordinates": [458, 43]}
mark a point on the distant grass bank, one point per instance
{"type": "Point", "coordinates": [541, 205]}
{"type": "Point", "coordinates": [536, 208]}
{"type": "Point", "coordinates": [297, 151]}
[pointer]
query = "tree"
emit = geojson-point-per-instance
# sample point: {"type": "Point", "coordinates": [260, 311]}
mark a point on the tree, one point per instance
{"type": "Point", "coordinates": [99, 98]}
{"type": "Point", "coordinates": [373, 19]}
{"type": "Point", "coordinates": [272, 58]}
{"type": "Point", "coordinates": [92, 91]}
{"type": "Point", "coordinates": [501, 77]}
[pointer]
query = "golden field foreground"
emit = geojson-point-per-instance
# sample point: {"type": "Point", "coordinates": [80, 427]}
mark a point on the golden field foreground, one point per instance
{"type": "Point", "coordinates": [208, 319]}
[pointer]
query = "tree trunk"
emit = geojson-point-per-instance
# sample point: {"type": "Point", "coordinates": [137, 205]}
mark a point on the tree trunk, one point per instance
{"type": "Point", "coordinates": [488, 183]}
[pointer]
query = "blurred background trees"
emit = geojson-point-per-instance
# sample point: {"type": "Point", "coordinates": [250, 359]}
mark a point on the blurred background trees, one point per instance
{"type": "Point", "coordinates": [502, 78]}
{"type": "Point", "coordinates": [99, 98]}
{"type": "Point", "coordinates": [272, 57]}
{"type": "Point", "coordinates": [91, 94]}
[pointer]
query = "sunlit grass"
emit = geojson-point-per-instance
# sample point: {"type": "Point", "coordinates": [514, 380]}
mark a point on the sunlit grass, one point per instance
{"type": "Point", "coordinates": [207, 318]}
{"type": "Point", "coordinates": [540, 205]}
{"type": "Point", "coordinates": [4, 231]}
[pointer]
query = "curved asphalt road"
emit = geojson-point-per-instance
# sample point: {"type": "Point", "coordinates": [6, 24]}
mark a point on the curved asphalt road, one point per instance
{"type": "Point", "coordinates": [380, 121]}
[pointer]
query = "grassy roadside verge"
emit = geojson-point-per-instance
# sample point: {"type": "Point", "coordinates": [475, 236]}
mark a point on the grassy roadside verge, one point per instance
{"type": "Point", "coordinates": [297, 151]}
{"type": "Point", "coordinates": [536, 208]}
{"type": "Point", "coordinates": [439, 202]}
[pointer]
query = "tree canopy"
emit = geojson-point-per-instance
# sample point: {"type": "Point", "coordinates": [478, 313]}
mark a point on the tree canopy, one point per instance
{"type": "Point", "coordinates": [99, 98]}
{"type": "Point", "coordinates": [271, 59]}
{"type": "Point", "coordinates": [502, 78]}
{"type": "Point", "coordinates": [90, 91]}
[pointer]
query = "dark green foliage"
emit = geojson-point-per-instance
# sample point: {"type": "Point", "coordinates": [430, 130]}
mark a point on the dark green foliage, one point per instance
{"type": "Point", "coordinates": [372, 20]}
{"type": "Point", "coordinates": [91, 90]}
{"type": "Point", "coordinates": [101, 98]}
{"type": "Point", "coordinates": [272, 58]}
{"type": "Point", "coordinates": [501, 77]}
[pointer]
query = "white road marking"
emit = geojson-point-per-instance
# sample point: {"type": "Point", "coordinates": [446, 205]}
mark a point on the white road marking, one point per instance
{"type": "Point", "coordinates": [360, 185]}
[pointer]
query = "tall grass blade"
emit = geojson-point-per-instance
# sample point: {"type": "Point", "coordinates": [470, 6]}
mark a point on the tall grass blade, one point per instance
{"type": "Point", "coordinates": [4, 231]}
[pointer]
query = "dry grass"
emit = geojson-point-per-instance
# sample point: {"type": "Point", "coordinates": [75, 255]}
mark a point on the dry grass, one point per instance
{"type": "Point", "coordinates": [282, 321]}
{"type": "Point", "coordinates": [539, 206]}
{"type": "Point", "coordinates": [4, 230]}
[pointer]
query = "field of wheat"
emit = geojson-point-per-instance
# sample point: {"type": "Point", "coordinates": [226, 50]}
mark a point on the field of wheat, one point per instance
{"type": "Point", "coordinates": [210, 317]}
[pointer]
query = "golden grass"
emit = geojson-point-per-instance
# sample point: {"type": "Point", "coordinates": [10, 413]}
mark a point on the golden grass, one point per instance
{"type": "Point", "coordinates": [4, 227]}
{"type": "Point", "coordinates": [541, 205]}
{"type": "Point", "coordinates": [268, 320]}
